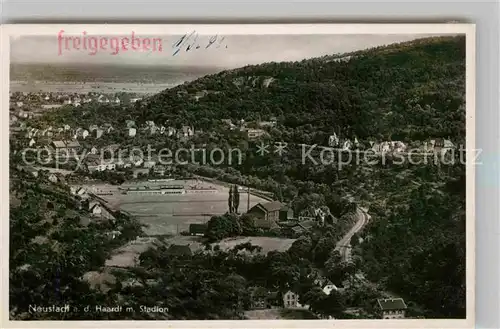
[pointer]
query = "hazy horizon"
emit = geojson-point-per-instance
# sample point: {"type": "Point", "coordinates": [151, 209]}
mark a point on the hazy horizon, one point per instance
{"type": "Point", "coordinates": [240, 50]}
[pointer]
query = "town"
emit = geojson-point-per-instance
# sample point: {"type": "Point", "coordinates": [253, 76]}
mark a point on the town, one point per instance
{"type": "Point", "coordinates": [232, 223]}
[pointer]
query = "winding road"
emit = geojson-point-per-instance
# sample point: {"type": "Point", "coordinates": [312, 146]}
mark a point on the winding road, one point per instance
{"type": "Point", "coordinates": [344, 244]}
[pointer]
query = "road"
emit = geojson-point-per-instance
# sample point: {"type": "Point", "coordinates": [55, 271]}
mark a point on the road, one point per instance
{"type": "Point", "coordinates": [344, 247]}
{"type": "Point", "coordinates": [344, 244]}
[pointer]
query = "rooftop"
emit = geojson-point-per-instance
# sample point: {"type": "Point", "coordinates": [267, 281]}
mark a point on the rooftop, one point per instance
{"type": "Point", "coordinates": [391, 304]}
{"type": "Point", "coordinates": [272, 206]}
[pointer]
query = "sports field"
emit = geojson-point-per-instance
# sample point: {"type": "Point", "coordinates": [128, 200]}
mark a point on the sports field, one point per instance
{"type": "Point", "coordinates": [172, 214]}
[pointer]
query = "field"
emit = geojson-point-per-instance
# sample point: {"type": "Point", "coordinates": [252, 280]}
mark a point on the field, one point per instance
{"type": "Point", "coordinates": [172, 214]}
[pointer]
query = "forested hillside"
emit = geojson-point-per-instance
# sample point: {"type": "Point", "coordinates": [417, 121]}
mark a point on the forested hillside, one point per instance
{"type": "Point", "coordinates": [409, 93]}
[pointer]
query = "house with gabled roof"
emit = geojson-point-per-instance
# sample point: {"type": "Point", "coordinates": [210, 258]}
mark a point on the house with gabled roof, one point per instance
{"type": "Point", "coordinates": [291, 300]}
{"type": "Point", "coordinates": [73, 145]}
{"type": "Point", "coordinates": [95, 208]}
{"type": "Point", "coordinates": [392, 308]}
{"type": "Point", "coordinates": [58, 145]}
{"type": "Point", "coordinates": [267, 214]}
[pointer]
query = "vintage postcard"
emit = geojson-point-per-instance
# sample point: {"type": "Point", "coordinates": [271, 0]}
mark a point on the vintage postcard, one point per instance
{"type": "Point", "coordinates": [301, 175]}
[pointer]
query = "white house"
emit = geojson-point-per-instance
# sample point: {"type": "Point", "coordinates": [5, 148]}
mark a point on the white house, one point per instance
{"type": "Point", "coordinates": [393, 308]}
{"type": "Point", "coordinates": [187, 131]}
{"type": "Point", "coordinates": [398, 146]}
{"type": "Point", "coordinates": [136, 161]}
{"type": "Point", "coordinates": [95, 208]}
{"type": "Point", "coordinates": [329, 288]}
{"type": "Point", "coordinates": [32, 142]}
{"type": "Point", "coordinates": [356, 142]}
{"type": "Point", "coordinates": [346, 145]}
{"type": "Point", "coordinates": [53, 178]}
{"type": "Point", "coordinates": [171, 131]}
{"type": "Point", "coordinates": [94, 150]}
{"type": "Point", "coordinates": [132, 132]}
{"type": "Point", "coordinates": [98, 133]}
{"type": "Point", "coordinates": [333, 140]}
{"type": "Point", "coordinates": [102, 99]}
{"type": "Point", "coordinates": [149, 164]}
{"type": "Point", "coordinates": [291, 300]}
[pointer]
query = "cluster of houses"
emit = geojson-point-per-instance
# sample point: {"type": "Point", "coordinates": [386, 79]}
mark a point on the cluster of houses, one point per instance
{"type": "Point", "coordinates": [98, 210]}
{"type": "Point", "coordinates": [441, 145]}
{"type": "Point", "coordinates": [61, 136]}
{"type": "Point", "coordinates": [261, 298]}
{"type": "Point", "coordinates": [58, 99]}
{"type": "Point", "coordinates": [151, 128]}
{"type": "Point", "coordinates": [251, 133]}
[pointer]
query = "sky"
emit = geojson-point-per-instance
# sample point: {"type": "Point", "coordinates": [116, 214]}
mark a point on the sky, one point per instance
{"type": "Point", "coordinates": [231, 52]}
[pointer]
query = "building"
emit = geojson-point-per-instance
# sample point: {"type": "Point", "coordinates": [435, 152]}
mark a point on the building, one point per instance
{"type": "Point", "coordinates": [73, 145]}
{"type": "Point", "coordinates": [53, 178]}
{"type": "Point", "coordinates": [98, 133]}
{"type": "Point", "coordinates": [200, 94]}
{"type": "Point", "coordinates": [197, 229]}
{"type": "Point", "coordinates": [261, 298]}
{"type": "Point", "coordinates": [329, 288]}
{"type": "Point", "coordinates": [393, 308]}
{"type": "Point", "coordinates": [132, 132]}
{"type": "Point", "coordinates": [333, 140]}
{"type": "Point", "coordinates": [84, 133]}
{"type": "Point", "coordinates": [95, 208]}
{"type": "Point", "coordinates": [108, 128]}
{"type": "Point", "coordinates": [102, 99]}
{"type": "Point", "coordinates": [266, 214]}
{"type": "Point", "coordinates": [266, 124]}
{"type": "Point", "coordinates": [255, 133]}
{"type": "Point", "coordinates": [291, 300]}
{"type": "Point", "coordinates": [58, 145]}
{"type": "Point", "coordinates": [346, 146]}
{"type": "Point", "coordinates": [187, 131]}
{"type": "Point", "coordinates": [149, 164]}
{"type": "Point", "coordinates": [159, 170]}
{"type": "Point", "coordinates": [32, 171]}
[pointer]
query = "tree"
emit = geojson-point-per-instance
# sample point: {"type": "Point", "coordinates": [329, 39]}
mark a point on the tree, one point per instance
{"type": "Point", "coordinates": [220, 227]}
{"type": "Point", "coordinates": [236, 199]}
{"type": "Point", "coordinates": [230, 201]}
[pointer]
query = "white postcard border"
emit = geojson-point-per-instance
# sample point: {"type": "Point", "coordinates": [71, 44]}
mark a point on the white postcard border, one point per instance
{"type": "Point", "coordinates": [245, 29]}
